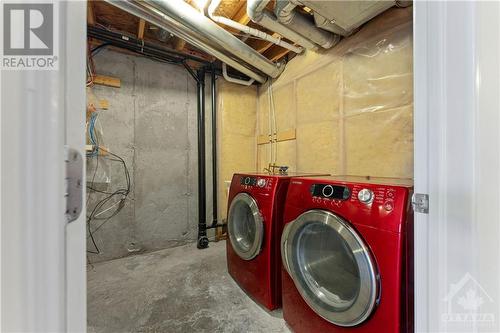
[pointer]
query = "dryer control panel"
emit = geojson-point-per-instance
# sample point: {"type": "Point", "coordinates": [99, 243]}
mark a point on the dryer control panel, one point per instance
{"type": "Point", "coordinates": [380, 202]}
{"type": "Point", "coordinates": [249, 182]}
{"type": "Point", "coordinates": [330, 191]}
{"type": "Point", "coordinates": [374, 194]}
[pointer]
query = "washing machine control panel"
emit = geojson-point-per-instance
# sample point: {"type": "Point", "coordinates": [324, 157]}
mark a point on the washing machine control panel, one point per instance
{"type": "Point", "coordinates": [330, 191]}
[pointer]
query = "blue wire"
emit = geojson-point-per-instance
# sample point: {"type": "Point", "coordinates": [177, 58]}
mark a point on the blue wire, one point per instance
{"type": "Point", "coordinates": [92, 136]}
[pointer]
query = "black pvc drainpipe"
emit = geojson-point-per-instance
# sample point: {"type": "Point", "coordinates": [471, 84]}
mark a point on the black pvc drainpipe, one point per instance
{"type": "Point", "coordinates": [202, 215]}
{"type": "Point", "coordinates": [214, 149]}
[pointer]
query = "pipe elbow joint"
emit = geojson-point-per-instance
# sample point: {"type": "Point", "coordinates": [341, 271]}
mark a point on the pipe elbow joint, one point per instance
{"type": "Point", "coordinates": [332, 41]}
{"type": "Point", "coordinates": [253, 11]}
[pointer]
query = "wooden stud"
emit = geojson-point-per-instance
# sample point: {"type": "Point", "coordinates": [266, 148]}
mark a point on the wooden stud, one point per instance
{"type": "Point", "coordinates": [90, 13]}
{"type": "Point", "coordinates": [140, 30]}
{"type": "Point", "coordinates": [107, 81]}
{"type": "Point", "coordinates": [103, 104]}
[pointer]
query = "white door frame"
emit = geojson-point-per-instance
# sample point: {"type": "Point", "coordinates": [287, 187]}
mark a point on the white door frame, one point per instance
{"type": "Point", "coordinates": [457, 125]}
{"type": "Point", "coordinates": [42, 258]}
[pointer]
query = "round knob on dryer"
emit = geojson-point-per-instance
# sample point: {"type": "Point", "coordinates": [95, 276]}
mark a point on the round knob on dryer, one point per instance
{"type": "Point", "coordinates": [365, 196]}
{"type": "Point", "coordinates": [327, 191]}
{"type": "Point", "coordinates": [261, 182]}
{"type": "Point", "coordinates": [247, 180]}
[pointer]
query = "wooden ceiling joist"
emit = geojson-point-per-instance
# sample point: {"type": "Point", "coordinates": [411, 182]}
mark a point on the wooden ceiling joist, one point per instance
{"type": "Point", "coordinates": [102, 13]}
{"type": "Point", "coordinates": [276, 52]}
{"type": "Point", "coordinates": [140, 29]}
{"type": "Point", "coordinates": [90, 13]}
{"type": "Point", "coordinates": [241, 15]}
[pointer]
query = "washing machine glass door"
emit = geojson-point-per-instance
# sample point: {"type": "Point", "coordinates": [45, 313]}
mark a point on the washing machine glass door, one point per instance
{"type": "Point", "coordinates": [245, 226]}
{"type": "Point", "coordinates": [331, 267]}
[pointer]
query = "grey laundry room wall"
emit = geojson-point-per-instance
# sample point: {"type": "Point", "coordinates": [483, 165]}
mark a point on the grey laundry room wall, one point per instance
{"type": "Point", "coordinates": [151, 123]}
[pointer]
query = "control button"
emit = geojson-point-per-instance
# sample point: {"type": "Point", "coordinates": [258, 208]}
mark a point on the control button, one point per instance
{"type": "Point", "coordinates": [261, 182]}
{"type": "Point", "coordinates": [389, 205]}
{"type": "Point", "coordinates": [327, 191]}
{"type": "Point", "coordinates": [365, 196]}
{"type": "Point", "coordinates": [247, 180]}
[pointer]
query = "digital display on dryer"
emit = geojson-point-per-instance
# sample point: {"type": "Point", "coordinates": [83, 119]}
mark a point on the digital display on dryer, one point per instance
{"type": "Point", "coordinates": [330, 191]}
{"type": "Point", "coordinates": [250, 181]}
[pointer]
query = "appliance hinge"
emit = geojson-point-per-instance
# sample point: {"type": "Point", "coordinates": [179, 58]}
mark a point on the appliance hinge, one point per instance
{"type": "Point", "coordinates": [73, 183]}
{"type": "Point", "coordinates": [420, 203]}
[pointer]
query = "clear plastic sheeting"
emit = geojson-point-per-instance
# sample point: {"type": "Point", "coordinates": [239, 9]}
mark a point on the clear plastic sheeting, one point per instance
{"type": "Point", "coordinates": [98, 169]}
{"type": "Point", "coordinates": [378, 75]}
{"type": "Point", "coordinates": [236, 128]}
{"type": "Point", "coordinates": [351, 107]}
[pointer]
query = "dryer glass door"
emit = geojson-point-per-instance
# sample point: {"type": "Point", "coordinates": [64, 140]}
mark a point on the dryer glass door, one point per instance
{"type": "Point", "coordinates": [245, 226]}
{"type": "Point", "coordinates": [331, 267]}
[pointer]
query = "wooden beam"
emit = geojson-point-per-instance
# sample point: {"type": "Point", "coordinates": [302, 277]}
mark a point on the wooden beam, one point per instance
{"type": "Point", "coordinates": [276, 52]}
{"type": "Point", "coordinates": [104, 104]}
{"type": "Point", "coordinates": [90, 13]}
{"type": "Point", "coordinates": [263, 139]}
{"type": "Point", "coordinates": [107, 81]}
{"type": "Point", "coordinates": [241, 15]}
{"type": "Point", "coordinates": [140, 30]}
{"type": "Point", "coordinates": [286, 135]}
{"type": "Point", "coordinates": [178, 44]}
{"type": "Point", "coordinates": [267, 45]}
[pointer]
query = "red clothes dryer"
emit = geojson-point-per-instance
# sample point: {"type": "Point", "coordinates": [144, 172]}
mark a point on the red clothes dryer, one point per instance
{"type": "Point", "coordinates": [347, 255]}
{"type": "Point", "coordinates": [255, 219]}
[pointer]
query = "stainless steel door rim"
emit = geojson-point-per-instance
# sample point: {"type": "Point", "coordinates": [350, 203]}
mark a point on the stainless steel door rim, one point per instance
{"type": "Point", "coordinates": [331, 267]}
{"type": "Point", "coordinates": [245, 226]}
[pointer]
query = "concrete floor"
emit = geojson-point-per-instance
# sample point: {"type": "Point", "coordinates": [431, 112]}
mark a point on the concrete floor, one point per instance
{"type": "Point", "coordinates": [181, 289]}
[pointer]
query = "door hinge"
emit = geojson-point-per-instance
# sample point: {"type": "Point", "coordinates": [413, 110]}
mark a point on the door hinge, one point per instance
{"type": "Point", "coordinates": [420, 203]}
{"type": "Point", "coordinates": [74, 183]}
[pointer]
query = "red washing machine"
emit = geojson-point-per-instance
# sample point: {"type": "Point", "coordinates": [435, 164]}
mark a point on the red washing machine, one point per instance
{"type": "Point", "coordinates": [255, 219]}
{"type": "Point", "coordinates": [347, 255]}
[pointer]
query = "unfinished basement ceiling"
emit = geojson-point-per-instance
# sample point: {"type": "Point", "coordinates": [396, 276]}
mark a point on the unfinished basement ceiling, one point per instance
{"type": "Point", "coordinates": [104, 15]}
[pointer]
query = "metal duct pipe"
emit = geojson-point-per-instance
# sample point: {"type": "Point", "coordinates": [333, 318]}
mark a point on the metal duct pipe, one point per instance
{"type": "Point", "coordinates": [187, 23]}
{"type": "Point", "coordinates": [256, 10]}
{"type": "Point", "coordinates": [286, 14]}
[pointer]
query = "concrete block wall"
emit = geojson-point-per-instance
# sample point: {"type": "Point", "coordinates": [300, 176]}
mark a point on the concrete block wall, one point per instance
{"type": "Point", "coordinates": [151, 123]}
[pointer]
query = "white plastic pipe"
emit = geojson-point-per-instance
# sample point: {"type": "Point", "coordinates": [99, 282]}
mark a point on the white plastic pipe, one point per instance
{"type": "Point", "coordinates": [232, 79]}
{"type": "Point", "coordinates": [249, 30]}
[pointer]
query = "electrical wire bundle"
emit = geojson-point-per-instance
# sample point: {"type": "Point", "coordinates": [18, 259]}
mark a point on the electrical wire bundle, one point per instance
{"type": "Point", "coordinates": [92, 135]}
{"type": "Point", "coordinates": [114, 201]}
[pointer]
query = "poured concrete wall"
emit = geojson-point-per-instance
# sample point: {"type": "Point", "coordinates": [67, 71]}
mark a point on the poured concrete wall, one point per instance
{"type": "Point", "coordinates": [351, 107]}
{"type": "Point", "coordinates": [151, 123]}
